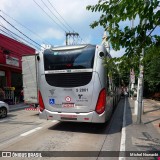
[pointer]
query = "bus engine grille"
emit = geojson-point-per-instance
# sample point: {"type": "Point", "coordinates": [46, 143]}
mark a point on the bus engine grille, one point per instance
{"type": "Point", "coordinates": [69, 79]}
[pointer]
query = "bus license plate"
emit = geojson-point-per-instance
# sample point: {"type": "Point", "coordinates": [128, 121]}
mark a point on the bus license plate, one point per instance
{"type": "Point", "coordinates": [68, 105]}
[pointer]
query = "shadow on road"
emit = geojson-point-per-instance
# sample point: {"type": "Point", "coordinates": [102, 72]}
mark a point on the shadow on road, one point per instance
{"type": "Point", "coordinates": [110, 127]}
{"type": "Point", "coordinates": [152, 110]}
{"type": "Point", "coordinates": [152, 121]}
{"type": "Point", "coordinates": [80, 127]}
{"type": "Point", "coordinates": [10, 116]}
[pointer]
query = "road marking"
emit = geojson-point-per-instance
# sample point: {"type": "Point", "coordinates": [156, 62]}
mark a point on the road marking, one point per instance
{"type": "Point", "coordinates": [31, 131]}
{"type": "Point", "coordinates": [123, 135]}
{"type": "Point", "coordinates": [13, 140]}
{"type": "Point", "coordinates": [32, 109]}
{"type": "Point", "coordinates": [16, 138]}
{"type": "Point", "coordinates": [54, 121]}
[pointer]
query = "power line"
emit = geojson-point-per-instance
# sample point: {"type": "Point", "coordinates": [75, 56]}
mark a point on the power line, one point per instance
{"type": "Point", "coordinates": [49, 16]}
{"type": "Point", "coordinates": [64, 25]}
{"type": "Point", "coordinates": [60, 15]}
{"type": "Point", "coordinates": [11, 34]}
{"type": "Point", "coordinates": [24, 27]}
{"type": "Point", "coordinates": [20, 31]}
{"type": "Point", "coordinates": [17, 36]}
{"type": "Point", "coordinates": [14, 46]}
{"type": "Point", "coordinates": [55, 15]}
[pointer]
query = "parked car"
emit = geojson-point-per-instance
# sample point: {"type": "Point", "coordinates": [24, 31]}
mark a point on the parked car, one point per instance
{"type": "Point", "coordinates": [4, 109]}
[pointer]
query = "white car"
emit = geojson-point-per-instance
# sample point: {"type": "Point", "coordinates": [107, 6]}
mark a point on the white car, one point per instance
{"type": "Point", "coordinates": [4, 109]}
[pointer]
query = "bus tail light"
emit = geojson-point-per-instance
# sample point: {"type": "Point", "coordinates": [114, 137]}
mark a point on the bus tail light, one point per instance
{"type": "Point", "coordinates": [100, 107]}
{"type": "Point", "coordinates": [41, 104]}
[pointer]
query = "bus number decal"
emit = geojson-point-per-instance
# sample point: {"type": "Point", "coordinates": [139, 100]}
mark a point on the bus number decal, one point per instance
{"type": "Point", "coordinates": [82, 90]}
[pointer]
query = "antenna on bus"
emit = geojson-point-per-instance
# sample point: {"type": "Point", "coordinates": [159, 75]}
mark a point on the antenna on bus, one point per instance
{"type": "Point", "coordinates": [105, 42]}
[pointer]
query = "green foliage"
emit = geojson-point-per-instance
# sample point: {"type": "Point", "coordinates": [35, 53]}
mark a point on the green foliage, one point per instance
{"type": "Point", "coordinates": [112, 70]}
{"type": "Point", "coordinates": [119, 68]}
{"type": "Point", "coordinates": [152, 69]}
{"type": "Point", "coordinates": [113, 14]}
{"type": "Point", "coordinates": [116, 11]}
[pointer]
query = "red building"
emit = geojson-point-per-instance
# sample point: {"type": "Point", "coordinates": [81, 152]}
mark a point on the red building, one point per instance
{"type": "Point", "coordinates": [11, 52]}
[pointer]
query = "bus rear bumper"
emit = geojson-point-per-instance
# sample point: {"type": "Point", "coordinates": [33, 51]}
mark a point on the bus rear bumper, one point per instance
{"type": "Point", "coordinates": [91, 117]}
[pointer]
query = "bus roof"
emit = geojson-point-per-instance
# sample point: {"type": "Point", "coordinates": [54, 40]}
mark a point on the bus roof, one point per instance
{"type": "Point", "coordinates": [71, 47]}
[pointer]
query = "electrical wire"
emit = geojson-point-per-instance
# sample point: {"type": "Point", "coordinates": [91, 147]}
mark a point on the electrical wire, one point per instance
{"type": "Point", "coordinates": [12, 39]}
{"type": "Point", "coordinates": [9, 34]}
{"type": "Point", "coordinates": [54, 15]}
{"type": "Point", "coordinates": [49, 16]}
{"type": "Point", "coordinates": [60, 16]}
{"type": "Point", "coordinates": [20, 31]}
{"type": "Point", "coordinates": [18, 36]}
{"type": "Point", "coordinates": [64, 24]}
{"type": "Point", "coordinates": [25, 27]}
{"type": "Point", "coordinates": [12, 45]}
{"type": "Point", "coordinates": [63, 19]}
{"type": "Point", "coordinates": [15, 46]}
{"type": "Point", "coordinates": [12, 33]}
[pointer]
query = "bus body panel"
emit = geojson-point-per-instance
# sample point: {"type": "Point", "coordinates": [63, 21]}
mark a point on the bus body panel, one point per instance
{"type": "Point", "coordinates": [74, 103]}
{"type": "Point", "coordinates": [56, 98]}
{"type": "Point", "coordinates": [91, 117]}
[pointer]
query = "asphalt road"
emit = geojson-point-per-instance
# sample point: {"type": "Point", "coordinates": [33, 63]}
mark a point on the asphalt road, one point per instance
{"type": "Point", "coordinates": [22, 131]}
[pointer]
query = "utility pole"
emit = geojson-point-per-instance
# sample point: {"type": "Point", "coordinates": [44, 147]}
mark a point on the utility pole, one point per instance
{"type": "Point", "coordinates": [140, 81]}
{"type": "Point", "coordinates": [132, 80]}
{"type": "Point", "coordinates": [72, 35]}
{"type": "Point", "coordinates": [140, 89]}
{"type": "Point", "coordinates": [132, 75]}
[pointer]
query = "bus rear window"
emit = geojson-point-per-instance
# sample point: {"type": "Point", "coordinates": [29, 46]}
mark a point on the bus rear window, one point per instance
{"type": "Point", "coordinates": [70, 59]}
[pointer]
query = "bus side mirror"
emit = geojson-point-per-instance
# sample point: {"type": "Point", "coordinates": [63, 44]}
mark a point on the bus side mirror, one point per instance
{"type": "Point", "coordinates": [101, 54]}
{"type": "Point", "coordinates": [38, 58]}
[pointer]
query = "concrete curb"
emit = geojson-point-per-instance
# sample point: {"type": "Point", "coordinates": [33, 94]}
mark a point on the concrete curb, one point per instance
{"type": "Point", "coordinates": [17, 107]}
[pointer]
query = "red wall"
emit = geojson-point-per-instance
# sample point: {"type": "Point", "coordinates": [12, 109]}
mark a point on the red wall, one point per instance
{"type": "Point", "coordinates": [16, 50]}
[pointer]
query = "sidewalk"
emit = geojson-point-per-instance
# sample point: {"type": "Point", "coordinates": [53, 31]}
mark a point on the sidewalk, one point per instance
{"type": "Point", "coordinates": [17, 106]}
{"type": "Point", "coordinates": [152, 112]}
{"type": "Point", "coordinates": [144, 136]}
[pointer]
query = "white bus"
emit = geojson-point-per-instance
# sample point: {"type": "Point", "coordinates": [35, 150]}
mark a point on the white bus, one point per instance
{"type": "Point", "coordinates": [73, 84]}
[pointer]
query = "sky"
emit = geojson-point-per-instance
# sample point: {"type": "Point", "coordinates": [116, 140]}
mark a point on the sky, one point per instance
{"type": "Point", "coordinates": [51, 28]}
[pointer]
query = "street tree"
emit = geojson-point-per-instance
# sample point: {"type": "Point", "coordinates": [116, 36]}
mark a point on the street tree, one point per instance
{"type": "Point", "coordinates": [115, 12]}
{"type": "Point", "coordinates": [112, 70]}
{"type": "Point", "coordinates": [152, 70]}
